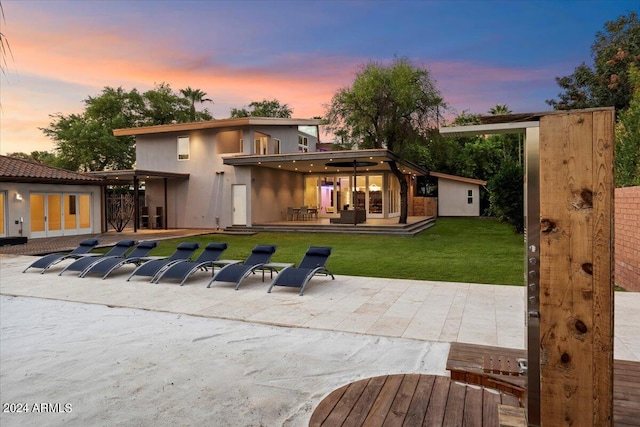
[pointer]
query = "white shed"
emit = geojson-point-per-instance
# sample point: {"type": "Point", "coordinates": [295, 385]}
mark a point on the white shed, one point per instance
{"type": "Point", "coordinates": [457, 195]}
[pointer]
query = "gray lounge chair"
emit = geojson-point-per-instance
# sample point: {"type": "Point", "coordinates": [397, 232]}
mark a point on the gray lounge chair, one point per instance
{"type": "Point", "coordinates": [236, 273]}
{"type": "Point", "coordinates": [181, 270]}
{"type": "Point", "coordinates": [298, 277]}
{"type": "Point", "coordinates": [52, 259]}
{"type": "Point", "coordinates": [151, 268]}
{"type": "Point", "coordinates": [107, 265]}
{"type": "Point", "coordinates": [118, 251]}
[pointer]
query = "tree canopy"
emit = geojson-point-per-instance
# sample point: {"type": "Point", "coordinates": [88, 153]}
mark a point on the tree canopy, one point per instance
{"type": "Point", "coordinates": [392, 106]}
{"type": "Point", "coordinates": [627, 158]}
{"type": "Point", "coordinates": [264, 108]}
{"type": "Point", "coordinates": [85, 141]}
{"type": "Point", "coordinates": [606, 83]}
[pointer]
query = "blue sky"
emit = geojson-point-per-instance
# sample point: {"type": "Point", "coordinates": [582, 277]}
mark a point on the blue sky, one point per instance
{"type": "Point", "coordinates": [481, 53]}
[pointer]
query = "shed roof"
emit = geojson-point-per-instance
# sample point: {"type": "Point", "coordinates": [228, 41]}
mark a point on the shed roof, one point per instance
{"type": "Point", "coordinates": [20, 170]}
{"type": "Point", "coordinates": [458, 178]}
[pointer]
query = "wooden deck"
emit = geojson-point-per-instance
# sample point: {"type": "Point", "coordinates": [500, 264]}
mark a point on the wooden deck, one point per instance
{"type": "Point", "coordinates": [466, 362]}
{"type": "Point", "coordinates": [411, 400]}
{"type": "Point", "coordinates": [477, 394]}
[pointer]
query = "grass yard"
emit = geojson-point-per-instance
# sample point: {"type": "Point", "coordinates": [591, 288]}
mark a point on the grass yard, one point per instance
{"type": "Point", "coordinates": [454, 250]}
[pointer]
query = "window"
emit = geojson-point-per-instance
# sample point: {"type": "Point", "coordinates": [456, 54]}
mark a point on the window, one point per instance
{"type": "Point", "coordinates": [470, 197]}
{"type": "Point", "coordinates": [276, 146]}
{"type": "Point", "coordinates": [261, 145]}
{"type": "Point", "coordinates": [303, 144]}
{"type": "Point", "coordinates": [183, 148]}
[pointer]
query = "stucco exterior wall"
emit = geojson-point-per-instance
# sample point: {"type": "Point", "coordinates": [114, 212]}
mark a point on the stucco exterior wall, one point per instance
{"type": "Point", "coordinates": [453, 198]}
{"type": "Point", "coordinates": [192, 203]}
{"type": "Point", "coordinates": [627, 238]}
{"type": "Point", "coordinates": [272, 191]}
{"type": "Point", "coordinates": [16, 209]}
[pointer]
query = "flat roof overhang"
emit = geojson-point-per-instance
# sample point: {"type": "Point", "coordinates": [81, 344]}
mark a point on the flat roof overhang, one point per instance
{"type": "Point", "coordinates": [376, 160]}
{"type": "Point", "coordinates": [214, 124]}
{"type": "Point", "coordinates": [128, 175]}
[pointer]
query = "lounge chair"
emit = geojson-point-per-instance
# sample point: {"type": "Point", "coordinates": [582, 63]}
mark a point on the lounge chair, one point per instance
{"type": "Point", "coordinates": [51, 259]}
{"type": "Point", "coordinates": [106, 266]}
{"type": "Point", "coordinates": [235, 273]}
{"type": "Point", "coordinates": [181, 270]}
{"type": "Point", "coordinates": [297, 277]}
{"type": "Point", "coordinates": [118, 251]}
{"type": "Point", "coordinates": [151, 268]}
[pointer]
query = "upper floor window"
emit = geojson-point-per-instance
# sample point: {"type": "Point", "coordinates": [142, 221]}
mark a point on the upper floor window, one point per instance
{"type": "Point", "coordinates": [261, 145]}
{"type": "Point", "coordinates": [303, 144]}
{"type": "Point", "coordinates": [276, 146]}
{"type": "Point", "coordinates": [183, 148]}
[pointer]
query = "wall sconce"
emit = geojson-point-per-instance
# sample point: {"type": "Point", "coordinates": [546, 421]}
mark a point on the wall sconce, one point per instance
{"type": "Point", "coordinates": [18, 197]}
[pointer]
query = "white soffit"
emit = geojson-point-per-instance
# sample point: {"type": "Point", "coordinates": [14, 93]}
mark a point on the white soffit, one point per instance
{"type": "Point", "coordinates": [474, 130]}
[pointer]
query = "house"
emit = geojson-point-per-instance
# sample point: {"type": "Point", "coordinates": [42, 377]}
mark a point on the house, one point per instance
{"type": "Point", "coordinates": [250, 170]}
{"type": "Point", "coordinates": [44, 201]}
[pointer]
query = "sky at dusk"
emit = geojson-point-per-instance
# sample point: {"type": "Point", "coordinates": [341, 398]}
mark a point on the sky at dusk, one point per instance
{"type": "Point", "coordinates": [480, 53]}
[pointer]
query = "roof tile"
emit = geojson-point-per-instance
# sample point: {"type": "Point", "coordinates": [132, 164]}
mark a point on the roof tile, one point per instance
{"type": "Point", "coordinates": [11, 167]}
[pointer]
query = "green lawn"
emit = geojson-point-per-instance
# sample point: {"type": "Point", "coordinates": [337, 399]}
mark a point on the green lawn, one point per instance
{"type": "Point", "coordinates": [455, 250]}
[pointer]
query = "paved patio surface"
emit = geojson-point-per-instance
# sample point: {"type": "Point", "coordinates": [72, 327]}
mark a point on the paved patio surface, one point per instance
{"type": "Point", "coordinates": [413, 309]}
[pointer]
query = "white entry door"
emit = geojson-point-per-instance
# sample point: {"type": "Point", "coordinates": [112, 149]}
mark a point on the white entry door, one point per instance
{"type": "Point", "coordinates": [239, 203]}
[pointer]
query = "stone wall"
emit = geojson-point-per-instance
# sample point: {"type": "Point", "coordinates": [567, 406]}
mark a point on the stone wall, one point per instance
{"type": "Point", "coordinates": [627, 238]}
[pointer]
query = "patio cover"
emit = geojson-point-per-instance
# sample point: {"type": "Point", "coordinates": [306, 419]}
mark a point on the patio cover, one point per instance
{"type": "Point", "coordinates": [317, 162]}
{"type": "Point", "coordinates": [134, 176]}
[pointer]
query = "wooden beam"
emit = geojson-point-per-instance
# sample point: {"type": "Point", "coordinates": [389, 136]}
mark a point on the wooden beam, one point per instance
{"type": "Point", "coordinates": [576, 286]}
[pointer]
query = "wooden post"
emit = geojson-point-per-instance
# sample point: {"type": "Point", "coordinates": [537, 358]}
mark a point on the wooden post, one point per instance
{"type": "Point", "coordinates": [576, 283]}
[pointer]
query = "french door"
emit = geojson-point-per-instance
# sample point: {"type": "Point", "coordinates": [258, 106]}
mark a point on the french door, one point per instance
{"type": "Point", "coordinates": [58, 214]}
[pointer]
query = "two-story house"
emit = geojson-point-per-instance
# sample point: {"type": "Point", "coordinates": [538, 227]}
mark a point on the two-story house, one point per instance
{"type": "Point", "coordinates": [250, 170]}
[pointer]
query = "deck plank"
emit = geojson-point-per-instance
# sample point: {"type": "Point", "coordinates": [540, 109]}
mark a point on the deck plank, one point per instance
{"type": "Point", "coordinates": [438, 402]}
{"type": "Point", "coordinates": [454, 412]}
{"type": "Point", "coordinates": [420, 401]}
{"type": "Point", "coordinates": [490, 401]}
{"type": "Point", "coordinates": [346, 403]}
{"type": "Point", "coordinates": [384, 401]}
{"type": "Point", "coordinates": [365, 403]}
{"type": "Point", "coordinates": [326, 406]}
{"type": "Point", "coordinates": [402, 401]}
{"type": "Point", "coordinates": [473, 407]}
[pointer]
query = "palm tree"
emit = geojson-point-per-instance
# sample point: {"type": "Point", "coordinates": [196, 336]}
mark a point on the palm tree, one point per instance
{"type": "Point", "coordinates": [499, 109]}
{"type": "Point", "coordinates": [4, 46]}
{"type": "Point", "coordinates": [194, 95]}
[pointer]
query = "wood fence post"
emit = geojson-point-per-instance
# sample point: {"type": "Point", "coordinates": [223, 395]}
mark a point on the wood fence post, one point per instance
{"type": "Point", "coordinates": [576, 268]}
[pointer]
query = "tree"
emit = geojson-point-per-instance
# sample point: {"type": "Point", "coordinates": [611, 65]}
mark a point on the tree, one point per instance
{"type": "Point", "coordinates": [607, 83]}
{"type": "Point", "coordinates": [627, 159]}
{"type": "Point", "coordinates": [393, 107]}
{"type": "Point", "coordinates": [499, 109]}
{"type": "Point", "coordinates": [264, 108]}
{"type": "Point", "coordinates": [5, 48]}
{"type": "Point", "coordinates": [507, 196]}
{"type": "Point", "coordinates": [194, 96]}
{"type": "Point", "coordinates": [85, 141]}
{"type": "Point", "coordinates": [44, 157]}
